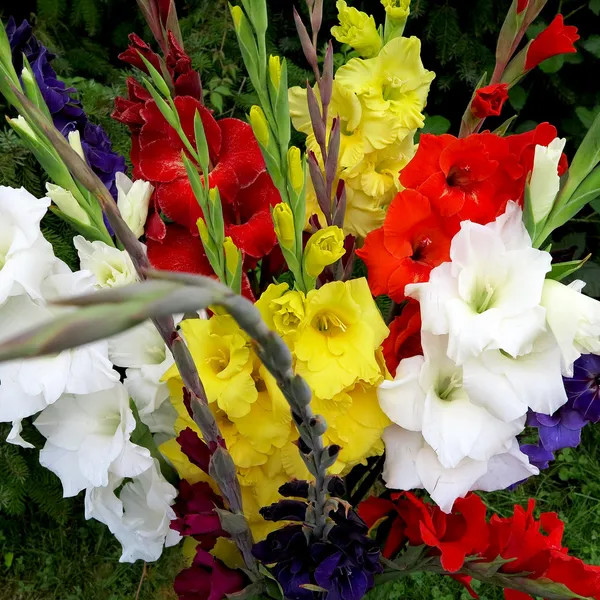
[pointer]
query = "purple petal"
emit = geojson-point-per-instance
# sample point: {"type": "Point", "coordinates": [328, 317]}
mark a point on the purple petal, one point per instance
{"type": "Point", "coordinates": [556, 438]}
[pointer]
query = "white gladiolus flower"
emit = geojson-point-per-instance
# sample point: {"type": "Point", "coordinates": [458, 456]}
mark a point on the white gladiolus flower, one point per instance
{"type": "Point", "coordinates": [145, 355]}
{"type": "Point", "coordinates": [25, 256]}
{"type": "Point", "coordinates": [574, 320]}
{"type": "Point", "coordinates": [428, 396]}
{"type": "Point", "coordinates": [545, 182]}
{"type": "Point", "coordinates": [111, 267]}
{"type": "Point", "coordinates": [66, 202]}
{"type": "Point", "coordinates": [488, 297]}
{"type": "Point", "coordinates": [139, 518]}
{"type": "Point", "coordinates": [88, 438]}
{"type": "Point", "coordinates": [29, 385]}
{"type": "Point", "coordinates": [411, 463]}
{"type": "Point", "coordinates": [133, 200]}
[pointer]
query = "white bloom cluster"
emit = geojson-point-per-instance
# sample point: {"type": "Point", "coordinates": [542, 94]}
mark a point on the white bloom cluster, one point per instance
{"type": "Point", "coordinates": [497, 337]}
{"type": "Point", "coordinates": [82, 408]}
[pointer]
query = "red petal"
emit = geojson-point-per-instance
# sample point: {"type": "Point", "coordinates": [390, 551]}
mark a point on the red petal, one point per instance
{"type": "Point", "coordinates": [448, 200]}
{"type": "Point", "coordinates": [161, 161]}
{"type": "Point", "coordinates": [256, 237]}
{"type": "Point", "coordinates": [425, 163]}
{"type": "Point", "coordinates": [407, 210]}
{"type": "Point", "coordinates": [186, 109]}
{"type": "Point", "coordinates": [374, 509]}
{"type": "Point", "coordinates": [406, 271]}
{"type": "Point", "coordinates": [516, 595]}
{"type": "Point", "coordinates": [380, 262]}
{"type": "Point", "coordinates": [179, 251]}
{"type": "Point", "coordinates": [155, 227]}
{"type": "Point", "coordinates": [178, 202]}
{"type": "Point", "coordinates": [240, 151]}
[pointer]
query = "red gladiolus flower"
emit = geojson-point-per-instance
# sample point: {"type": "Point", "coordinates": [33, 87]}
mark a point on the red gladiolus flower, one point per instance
{"type": "Point", "coordinates": [522, 5]}
{"type": "Point", "coordinates": [207, 579]}
{"type": "Point", "coordinates": [489, 100]}
{"type": "Point", "coordinates": [196, 516]}
{"type": "Point", "coordinates": [459, 534]}
{"type": "Point", "coordinates": [412, 241]}
{"type": "Point", "coordinates": [404, 340]}
{"type": "Point", "coordinates": [136, 47]}
{"type": "Point", "coordinates": [557, 38]}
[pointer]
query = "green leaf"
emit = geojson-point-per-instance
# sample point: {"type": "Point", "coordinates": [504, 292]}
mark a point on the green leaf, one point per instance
{"type": "Point", "coordinates": [517, 96]}
{"type": "Point", "coordinates": [217, 101]}
{"type": "Point", "coordinates": [561, 270]}
{"type": "Point", "coordinates": [586, 115]}
{"type": "Point", "coordinates": [592, 45]}
{"type": "Point", "coordinates": [8, 559]}
{"type": "Point", "coordinates": [503, 129]}
{"type": "Point", "coordinates": [224, 91]}
{"type": "Point", "coordinates": [594, 6]}
{"type": "Point", "coordinates": [553, 65]}
{"type": "Point", "coordinates": [436, 124]}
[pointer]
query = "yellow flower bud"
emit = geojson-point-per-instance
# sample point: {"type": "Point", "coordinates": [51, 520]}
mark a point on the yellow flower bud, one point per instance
{"type": "Point", "coordinates": [357, 29]}
{"type": "Point", "coordinates": [213, 195]}
{"type": "Point", "coordinates": [295, 170]}
{"type": "Point", "coordinates": [232, 255]}
{"type": "Point", "coordinates": [396, 9]}
{"type": "Point", "coordinates": [323, 248]}
{"type": "Point", "coordinates": [283, 219]}
{"type": "Point", "coordinates": [238, 14]}
{"type": "Point", "coordinates": [203, 230]}
{"type": "Point", "coordinates": [275, 71]}
{"type": "Point", "coordinates": [259, 125]}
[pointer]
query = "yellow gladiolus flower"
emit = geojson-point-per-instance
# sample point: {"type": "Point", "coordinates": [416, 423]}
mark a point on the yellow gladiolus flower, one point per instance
{"type": "Point", "coordinates": [356, 29]}
{"type": "Point", "coordinates": [282, 309]}
{"type": "Point", "coordinates": [223, 355]}
{"type": "Point", "coordinates": [337, 344]}
{"type": "Point", "coordinates": [396, 9]}
{"type": "Point", "coordinates": [323, 248]}
{"type": "Point", "coordinates": [392, 89]}
{"type": "Point", "coordinates": [283, 220]}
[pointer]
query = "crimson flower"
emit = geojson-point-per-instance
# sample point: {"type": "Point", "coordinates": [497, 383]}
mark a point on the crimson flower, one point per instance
{"type": "Point", "coordinates": [404, 339]}
{"type": "Point", "coordinates": [207, 579]}
{"type": "Point", "coordinates": [413, 240]}
{"type": "Point", "coordinates": [489, 100]}
{"type": "Point", "coordinates": [557, 38]}
{"type": "Point", "coordinates": [521, 5]}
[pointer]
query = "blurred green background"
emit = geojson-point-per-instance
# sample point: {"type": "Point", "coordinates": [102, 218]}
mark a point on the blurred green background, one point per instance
{"type": "Point", "coordinates": [47, 550]}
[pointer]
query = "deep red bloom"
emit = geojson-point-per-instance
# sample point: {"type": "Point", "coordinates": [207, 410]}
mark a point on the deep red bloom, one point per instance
{"type": "Point", "coordinates": [521, 6]}
{"type": "Point", "coordinates": [557, 38]}
{"type": "Point", "coordinates": [404, 340]}
{"type": "Point", "coordinates": [207, 579]}
{"type": "Point", "coordinates": [136, 47]}
{"type": "Point", "coordinates": [489, 100]}
{"type": "Point", "coordinates": [412, 241]}
{"type": "Point", "coordinates": [197, 452]}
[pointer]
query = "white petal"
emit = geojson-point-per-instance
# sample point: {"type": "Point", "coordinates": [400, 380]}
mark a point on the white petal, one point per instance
{"type": "Point", "coordinates": [137, 347]}
{"type": "Point", "coordinates": [65, 465]}
{"type": "Point", "coordinates": [446, 485]}
{"type": "Point", "coordinates": [132, 461]}
{"type": "Point", "coordinates": [402, 399]}
{"type": "Point", "coordinates": [14, 436]}
{"type": "Point", "coordinates": [401, 450]}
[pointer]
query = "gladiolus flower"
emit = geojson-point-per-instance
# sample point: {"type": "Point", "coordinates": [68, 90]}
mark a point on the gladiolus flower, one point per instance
{"type": "Point", "coordinates": [412, 241]}
{"type": "Point", "coordinates": [489, 100]}
{"type": "Point", "coordinates": [283, 219]}
{"type": "Point", "coordinates": [357, 29]}
{"type": "Point", "coordinates": [557, 38]}
{"type": "Point", "coordinates": [324, 247]}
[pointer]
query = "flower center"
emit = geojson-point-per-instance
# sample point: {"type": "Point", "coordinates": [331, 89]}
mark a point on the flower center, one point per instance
{"type": "Point", "coordinates": [459, 176]}
{"type": "Point", "coordinates": [484, 299]}
{"type": "Point", "coordinates": [448, 384]}
{"type": "Point", "coordinates": [219, 361]}
{"type": "Point", "coordinates": [420, 249]}
{"type": "Point", "coordinates": [329, 323]}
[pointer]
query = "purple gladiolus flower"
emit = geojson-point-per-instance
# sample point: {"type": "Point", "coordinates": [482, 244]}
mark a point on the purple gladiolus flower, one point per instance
{"type": "Point", "coordinates": [538, 455]}
{"type": "Point", "coordinates": [67, 113]}
{"type": "Point", "coordinates": [560, 430]}
{"type": "Point", "coordinates": [583, 389]}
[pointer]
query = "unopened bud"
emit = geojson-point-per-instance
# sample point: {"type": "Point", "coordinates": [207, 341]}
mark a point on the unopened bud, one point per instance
{"type": "Point", "coordinates": [295, 170]}
{"type": "Point", "coordinates": [259, 125]}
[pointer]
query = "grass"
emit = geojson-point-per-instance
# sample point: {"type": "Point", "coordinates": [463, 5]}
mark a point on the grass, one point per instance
{"type": "Point", "coordinates": [41, 560]}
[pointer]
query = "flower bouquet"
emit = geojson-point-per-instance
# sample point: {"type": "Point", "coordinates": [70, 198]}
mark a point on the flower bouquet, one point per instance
{"type": "Point", "coordinates": [219, 372]}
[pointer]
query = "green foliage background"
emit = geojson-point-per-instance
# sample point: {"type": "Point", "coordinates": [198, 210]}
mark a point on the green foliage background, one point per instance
{"type": "Point", "coordinates": [47, 550]}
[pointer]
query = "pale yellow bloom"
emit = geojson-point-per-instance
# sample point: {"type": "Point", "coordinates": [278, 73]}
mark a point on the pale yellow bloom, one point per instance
{"type": "Point", "coordinates": [396, 9]}
{"type": "Point", "coordinates": [283, 220]}
{"type": "Point", "coordinates": [323, 248]}
{"type": "Point", "coordinates": [357, 29]}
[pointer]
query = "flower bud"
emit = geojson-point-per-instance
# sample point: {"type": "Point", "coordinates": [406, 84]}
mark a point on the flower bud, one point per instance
{"type": "Point", "coordinates": [545, 182]}
{"type": "Point", "coordinates": [259, 125]}
{"type": "Point", "coordinates": [295, 170]}
{"type": "Point", "coordinates": [284, 225]}
{"type": "Point", "coordinates": [203, 230]}
{"type": "Point", "coordinates": [67, 204]}
{"type": "Point", "coordinates": [237, 14]}
{"type": "Point", "coordinates": [22, 126]}
{"type": "Point", "coordinates": [133, 200]}
{"type": "Point", "coordinates": [489, 100]}
{"type": "Point", "coordinates": [323, 248]}
{"type": "Point", "coordinates": [275, 71]}
{"type": "Point", "coordinates": [232, 255]}
{"type": "Point", "coordinates": [75, 143]}
{"type": "Point", "coordinates": [357, 29]}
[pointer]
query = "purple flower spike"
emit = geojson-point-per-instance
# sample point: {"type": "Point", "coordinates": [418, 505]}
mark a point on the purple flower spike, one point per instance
{"type": "Point", "coordinates": [67, 113]}
{"type": "Point", "coordinates": [584, 387]}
